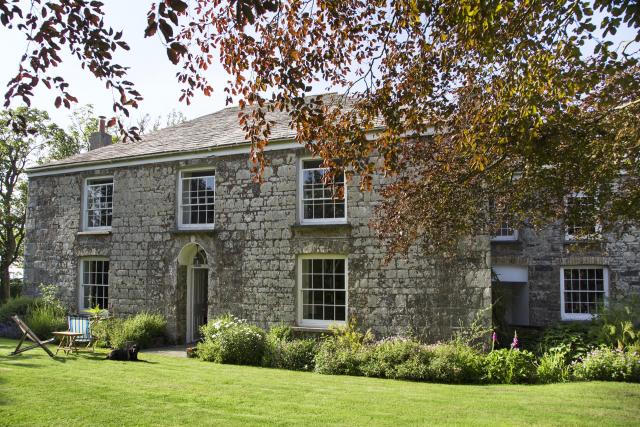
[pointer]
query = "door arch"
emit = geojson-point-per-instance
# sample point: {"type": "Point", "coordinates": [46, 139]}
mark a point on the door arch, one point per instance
{"type": "Point", "coordinates": [194, 257]}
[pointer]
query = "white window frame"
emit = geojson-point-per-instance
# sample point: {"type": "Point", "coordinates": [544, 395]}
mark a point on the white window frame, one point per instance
{"type": "Point", "coordinates": [496, 238]}
{"type": "Point", "coordinates": [81, 284]}
{"type": "Point", "coordinates": [586, 237]}
{"type": "Point", "coordinates": [322, 323]}
{"type": "Point", "coordinates": [301, 217]}
{"type": "Point", "coordinates": [180, 224]}
{"type": "Point", "coordinates": [605, 285]}
{"type": "Point", "coordinates": [85, 203]}
{"type": "Point", "coordinates": [510, 238]}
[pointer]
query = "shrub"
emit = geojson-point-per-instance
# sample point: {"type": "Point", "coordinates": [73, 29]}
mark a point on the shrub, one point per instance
{"type": "Point", "coordinates": [552, 368]}
{"type": "Point", "coordinates": [296, 355]}
{"type": "Point", "coordinates": [144, 329]}
{"type": "Point", "coordinates": [18, 305]}
{"type": "Point", "coordinates": [605, 364]}
{"type": "Point", "coordinates": [574, 340]}
{"type": "Point", "coordinates": [104, 329]}
{"type": "Point", "coordinates": [455, 363]}
{"type": "Point", "coordinates": [344, 351]}
{"type": "Point", "coordinates": [43, 319]}
{"type": "Point", "coordinates": [417, 367]}
{"type": "Point", "coordinates": [510, 366]}
{"type": "Point", "coordinates": [282, 351]}
{"type": "Point", "coordinates": [280, 333]}
{"type": "Point", "coordinates": [228, 339]}
{"type": "Point", "coordinates": [15, 288]}
{"type": "Point", "coordinates": [397, 358]}
{"type": "Point", "coordinates": [618, 325]}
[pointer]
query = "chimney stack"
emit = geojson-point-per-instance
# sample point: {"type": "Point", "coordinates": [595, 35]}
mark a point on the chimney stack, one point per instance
{"type": "Point", "coordinates": [101, 138]}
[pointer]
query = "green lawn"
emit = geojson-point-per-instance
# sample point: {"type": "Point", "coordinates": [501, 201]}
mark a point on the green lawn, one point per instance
{"type": "Point", "coordinates": [86, 390]}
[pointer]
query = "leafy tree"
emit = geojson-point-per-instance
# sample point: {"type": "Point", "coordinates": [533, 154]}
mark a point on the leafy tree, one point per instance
{"type": "Point", "coordinates": [146, 124]}
{"type": "Point", "coordinates": [17, 149]}
{"type": "Point", "coordinates": [516, 102]}
{"type": "Point", "coordinates": [75, 139]}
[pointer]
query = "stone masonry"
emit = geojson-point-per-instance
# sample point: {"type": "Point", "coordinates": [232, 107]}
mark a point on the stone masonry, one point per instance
{"type": "Point", "coordinates": [253, 250]}
{"type": "Point", "coordinates": [544, 253]}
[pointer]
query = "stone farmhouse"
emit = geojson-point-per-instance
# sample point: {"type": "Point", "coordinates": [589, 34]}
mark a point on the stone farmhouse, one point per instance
{"type": "Point", "coordinates": [175, 224]}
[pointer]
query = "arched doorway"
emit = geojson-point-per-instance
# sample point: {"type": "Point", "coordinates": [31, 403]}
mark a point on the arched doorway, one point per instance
{"type": "Point", "coordinates": [195, 259]}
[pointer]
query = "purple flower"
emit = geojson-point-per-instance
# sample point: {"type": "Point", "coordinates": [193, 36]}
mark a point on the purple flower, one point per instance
{"type": "Point", "coordinates": [515, 342]}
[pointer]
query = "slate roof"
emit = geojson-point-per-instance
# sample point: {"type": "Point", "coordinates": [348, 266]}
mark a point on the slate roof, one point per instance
{"type": "Point", "coordinates": [220, 129]}
{"type": "Point", "coordinates": [213, 130]}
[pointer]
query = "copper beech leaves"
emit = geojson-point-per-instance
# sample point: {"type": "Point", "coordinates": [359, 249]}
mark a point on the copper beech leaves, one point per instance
{"type": "Point", "coordinates": [457, 103]}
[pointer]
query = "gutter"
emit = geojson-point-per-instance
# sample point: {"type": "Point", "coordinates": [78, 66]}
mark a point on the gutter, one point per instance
{"type": "Point", "coordinates": [224, 150]}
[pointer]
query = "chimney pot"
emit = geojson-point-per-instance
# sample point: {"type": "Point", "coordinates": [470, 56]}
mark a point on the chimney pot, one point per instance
{"type": "Point", "coordinates": [101, 138]}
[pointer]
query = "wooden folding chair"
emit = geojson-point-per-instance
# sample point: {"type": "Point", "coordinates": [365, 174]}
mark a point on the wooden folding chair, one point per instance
{"type": "Point", "coordinates": [28, 333]}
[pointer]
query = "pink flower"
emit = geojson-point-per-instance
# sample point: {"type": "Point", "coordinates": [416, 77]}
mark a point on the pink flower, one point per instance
{"type": "Point", "coordinates": [515, 342]}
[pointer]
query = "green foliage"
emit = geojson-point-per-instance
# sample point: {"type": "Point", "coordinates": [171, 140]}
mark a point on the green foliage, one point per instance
{"type": "Point", "coordinates": [337, 357]}
{"type": "Point", "coordinates": [295, 355]}
{"type": "Point", "coordinates": [343, 351]}
{"type": "Point", "coordinates": [605, 364]}
{"type": "Point", "coordinates": [615, 325]}
{"type": "Point", "coordinates": [398, 359]}
{"type": "Point", "coordinates": [455, 363]}
{"type": "Point", "coordinates": [104, 330]}
{"type": "Point", "coordinates": [280, 333]}
{"type": "Point", "coordinates": [49, 296]}
{"type": "Point", "coordinates": [18, 305]}
{"type": "Point", "coordinates": [43, 319]}
{"type": "Point", "coordinates": [552, 368]}
{"type": "Point", "coordinates": [144, 329]}
{"type": "Point", "coordinates": [16, 288]}
{"type": "Point", "coordinates": [507, 366]}
{"type": "Point", "coordinates": [228, 339]}
{"type": "Point", "coordinates": [43, 315]}
{"type": "Point", "coordinates": [284, 352]}
{"type": "Point", "coordinates": [573, 339]}
{"type": "Point", "coordinates": [475, 333]}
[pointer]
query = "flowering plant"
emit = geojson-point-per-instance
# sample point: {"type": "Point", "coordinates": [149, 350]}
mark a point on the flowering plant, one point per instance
{"type": "Point", "coordinates": [515, 343]}
{"type": "Point", "coordinates": [229, 339]}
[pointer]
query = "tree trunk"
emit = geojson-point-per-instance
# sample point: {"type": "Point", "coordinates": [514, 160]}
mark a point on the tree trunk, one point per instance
{"type": "Point", "coordinates": [5, 284]}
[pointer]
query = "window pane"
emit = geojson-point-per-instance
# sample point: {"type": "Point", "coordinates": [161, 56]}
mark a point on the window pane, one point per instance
{"type": "Point", "coordinates": [318, 197]}
{"type": "Point", "coordinates": [99, 195]}
{"type": "Point", "coordinates": [324, 276]}
{"type": "Point", "coordinates": [583, 290]}
{"type": "Point", "coordinates": [198, 198]}
{"type": "Point", "coordinates": [95, 284]}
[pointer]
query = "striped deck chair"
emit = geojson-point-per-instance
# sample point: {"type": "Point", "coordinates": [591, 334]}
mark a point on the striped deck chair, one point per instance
{"type": "Point", "coordinates": [82, 325]}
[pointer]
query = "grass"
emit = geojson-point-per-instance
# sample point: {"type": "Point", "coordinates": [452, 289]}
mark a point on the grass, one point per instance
{"type": "Point", "coordinates": [87, 390]}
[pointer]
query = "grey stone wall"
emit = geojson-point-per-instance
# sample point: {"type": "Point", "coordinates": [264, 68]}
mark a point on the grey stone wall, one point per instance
{"type": "Point", "coordinates": [252, 251]}
{"type": "Point", "coordinates": [545, 252]}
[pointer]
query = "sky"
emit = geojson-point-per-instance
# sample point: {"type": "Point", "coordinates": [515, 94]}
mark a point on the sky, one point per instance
{"type": "Point", "coordinates": [151, 71]}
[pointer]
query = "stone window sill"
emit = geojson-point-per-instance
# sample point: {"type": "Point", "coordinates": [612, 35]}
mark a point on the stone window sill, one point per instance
{"type": "Point", "coordinates": [502, 242]}
{"type": "Point", "coordinates": [211, 231]}
{"type": "Point", "coordinates": [324, 226]}
{"type": "Point", "coordinates": [593, 240]}
{"type": "Point", "coordinates": [314, 329]}
{"type": "Point", "coordinates": [94, 233]}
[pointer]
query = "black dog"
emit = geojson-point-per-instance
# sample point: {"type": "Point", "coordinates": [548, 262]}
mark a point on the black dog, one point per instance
{"type": "Point", "coordinates": [128, 354]}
